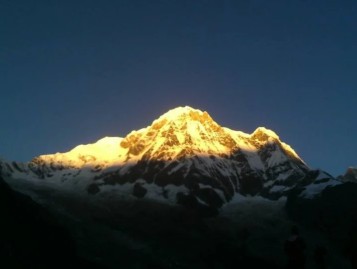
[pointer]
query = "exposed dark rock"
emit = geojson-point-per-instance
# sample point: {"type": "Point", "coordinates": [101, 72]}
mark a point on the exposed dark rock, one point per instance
{"type": "Point", "coordinates": [190, 202]}
{"type": "Point", "coordinates": [139, 191]}
{"type": "Point", "coordinates": [251, 184]}
{"type": "Point", "coordinates": [17, 167]}
{"type": "Point", "coordinates": [187, 200]}
{"type": "Point", "coordinates": [211, 197]}
{"type": "Point", "coordinates": [93, 188]}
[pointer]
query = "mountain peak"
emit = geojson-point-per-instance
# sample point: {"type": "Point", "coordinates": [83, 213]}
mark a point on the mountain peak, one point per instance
{"type": "Point", "coordinates": [187, 152]}
{"type": "Point", "coordinates": [263, 133]}
{"type": "Point", "coordinates": [180, 130]}
{"type": "Point", "coordinates": [185, 113]}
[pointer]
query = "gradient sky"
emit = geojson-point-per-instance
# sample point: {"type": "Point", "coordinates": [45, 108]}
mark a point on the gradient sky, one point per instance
{"type": "Point", "coordinates": [72, 72]}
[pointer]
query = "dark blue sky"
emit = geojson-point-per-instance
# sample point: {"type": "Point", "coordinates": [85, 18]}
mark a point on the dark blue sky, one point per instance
{"type": "Point", "coordinates": [72, 72]}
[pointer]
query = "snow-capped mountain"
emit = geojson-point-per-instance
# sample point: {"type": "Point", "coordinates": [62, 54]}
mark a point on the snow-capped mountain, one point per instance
{"type": "Point", "coordinates": [184, 156]}
{"type": "Point", "coordinates": [350, 175]}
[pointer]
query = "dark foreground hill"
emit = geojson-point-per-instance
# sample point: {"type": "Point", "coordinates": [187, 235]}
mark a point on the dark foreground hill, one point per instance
{"type": "Point", "coordinates": [31, 237]}
{"type": "Point", "coordinates": [332, 214]}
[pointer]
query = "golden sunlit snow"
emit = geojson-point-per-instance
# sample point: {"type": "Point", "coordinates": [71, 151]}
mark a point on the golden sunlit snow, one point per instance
{"type": "Point", "coordinates": [181, 132]}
